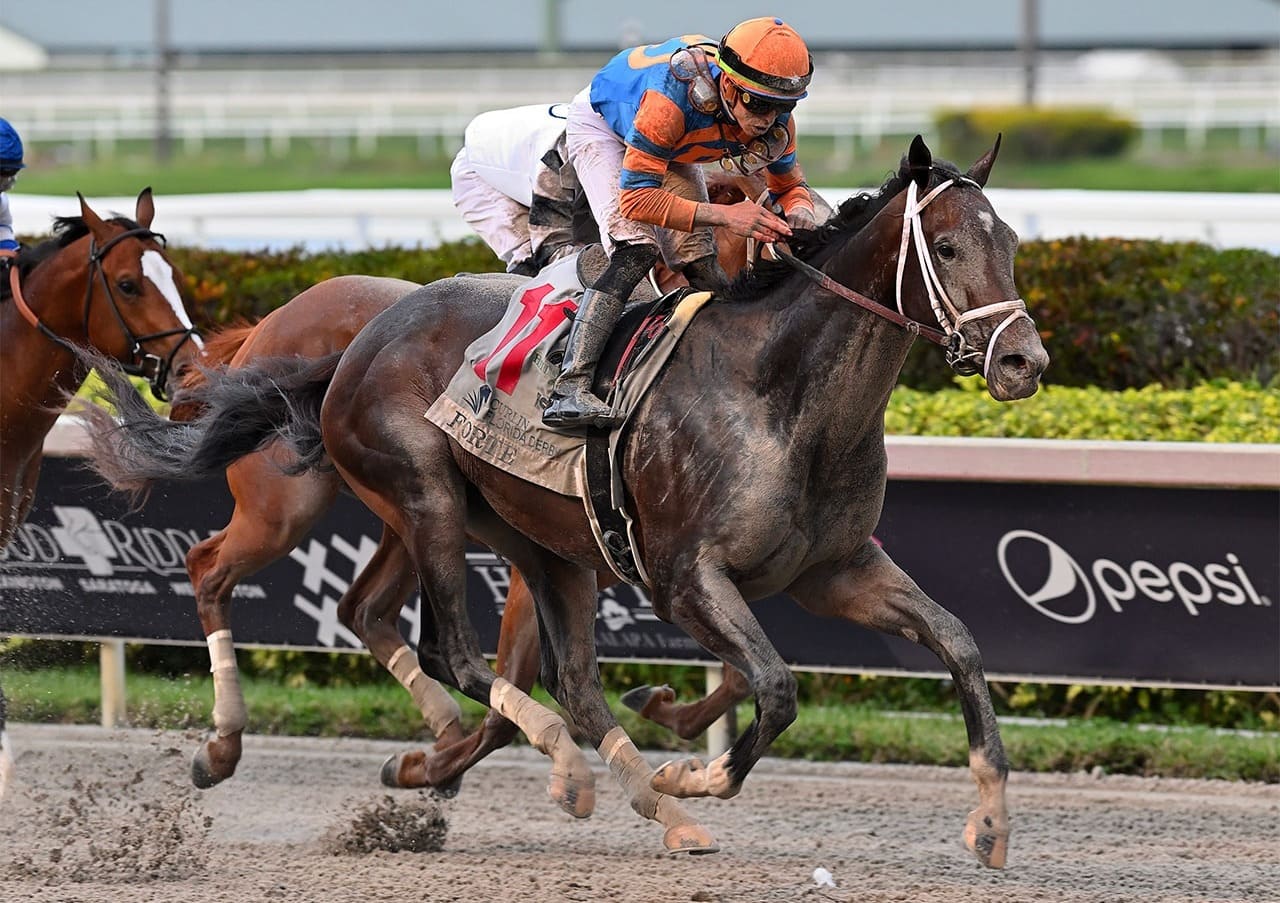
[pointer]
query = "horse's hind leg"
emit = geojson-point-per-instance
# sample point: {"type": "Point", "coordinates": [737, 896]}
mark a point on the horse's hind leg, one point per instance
{"type": "Point", "coordinates": [567, 603]}
{"type": "Point", "coordinates": [271, 515]}
{"type": "Point", "coordinates": [518, 662]}
{"type": "Point", "coordinates": [874, 592]}
{"type": "Point", "coordinates": [691, 719]}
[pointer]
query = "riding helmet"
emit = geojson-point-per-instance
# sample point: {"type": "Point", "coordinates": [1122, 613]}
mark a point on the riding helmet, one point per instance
{"type": "Point", "coordinates": [10, 147]}
{"type": "Point", "coordinates": [766, 57]}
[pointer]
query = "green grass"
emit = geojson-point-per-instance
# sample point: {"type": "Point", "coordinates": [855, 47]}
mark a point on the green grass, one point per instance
{"type": "Point", "coordinates": [225, 166]}
{"type": "Point", "coordinates": [858, 733]}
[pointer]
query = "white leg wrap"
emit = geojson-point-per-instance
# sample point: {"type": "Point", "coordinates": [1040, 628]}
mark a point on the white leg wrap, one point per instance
{"type": "Point", "coordinates": [6, 764]}
{"type": "Point", "coordinates": [229, 714]}
{"type": "Point", "coordinates": [438, 708]}
{"type": "Point", "coordinates": [545, 729]}
{"type": "Point", "coordinates": [634, 774]}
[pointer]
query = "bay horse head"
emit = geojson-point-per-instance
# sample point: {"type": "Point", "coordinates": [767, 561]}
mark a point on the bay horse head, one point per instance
{"type": "Point", "coordinates": [108, 284]}
{"type": "Point", "coordinates": [955, 269]}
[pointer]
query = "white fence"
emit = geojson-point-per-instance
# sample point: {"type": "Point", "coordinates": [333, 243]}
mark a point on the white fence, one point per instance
{"type": "Point", "coordinates": [359, 219]}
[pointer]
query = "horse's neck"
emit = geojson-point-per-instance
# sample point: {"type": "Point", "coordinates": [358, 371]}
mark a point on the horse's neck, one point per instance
{"type": "Point", "coordinates": [55, 290]}
{"type": "Point", "coordinates": [35, 373]}
{"type": "Point", "coordinates": [843, 360]}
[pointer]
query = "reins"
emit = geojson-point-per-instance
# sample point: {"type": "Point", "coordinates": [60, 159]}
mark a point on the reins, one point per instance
{"type": "Point", "coordinates": [960, 355]}
{"type": "Point", "coordinates": [143, 363]}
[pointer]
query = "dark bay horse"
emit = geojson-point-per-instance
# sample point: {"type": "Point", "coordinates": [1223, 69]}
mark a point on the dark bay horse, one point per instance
{"type": "Point", "coordinates": [755, 466]}
{"type": "Point", "coordinates": [105, 284]}
{"type": "Point", "coordinates": [274, 510]}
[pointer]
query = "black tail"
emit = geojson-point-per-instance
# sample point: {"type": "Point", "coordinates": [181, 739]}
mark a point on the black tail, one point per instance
{"type": "Point", "coordinates": [242, 411]}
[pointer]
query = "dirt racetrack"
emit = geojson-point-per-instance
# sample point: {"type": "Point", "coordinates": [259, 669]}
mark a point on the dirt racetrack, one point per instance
{"type": "Point", "coordinates": [111, 816]}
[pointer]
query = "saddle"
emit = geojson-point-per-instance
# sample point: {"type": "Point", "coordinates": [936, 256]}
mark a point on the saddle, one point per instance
{"type": "Point", "coordinates": [493, 405]}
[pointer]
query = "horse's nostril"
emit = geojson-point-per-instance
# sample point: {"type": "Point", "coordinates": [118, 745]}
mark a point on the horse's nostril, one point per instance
{"type": "Point", "coordinates": [1015, 363]}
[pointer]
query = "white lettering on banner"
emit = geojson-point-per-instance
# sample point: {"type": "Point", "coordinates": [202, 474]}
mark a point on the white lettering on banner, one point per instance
{"type": "Point", "coordinates": [1063, 591]}
{"type": "Point", "coordinates": [80, 541]}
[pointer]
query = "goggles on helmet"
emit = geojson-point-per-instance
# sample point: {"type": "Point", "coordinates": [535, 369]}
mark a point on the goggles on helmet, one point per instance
{"type": "Point", "coordinates": [756, 103]}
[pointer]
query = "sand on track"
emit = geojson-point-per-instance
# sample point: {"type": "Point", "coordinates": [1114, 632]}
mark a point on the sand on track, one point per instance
{"type": "Point", "coordinates": [97, 815]}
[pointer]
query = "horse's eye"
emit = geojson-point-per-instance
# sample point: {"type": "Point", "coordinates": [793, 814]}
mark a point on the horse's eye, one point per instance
{"type": "Point", "coordinates": [945, 250]}
{"type": "Point", "coordinates": [128, 286]}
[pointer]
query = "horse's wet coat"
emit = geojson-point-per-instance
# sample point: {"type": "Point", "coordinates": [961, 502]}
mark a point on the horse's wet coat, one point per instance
{"type": "Point", "coordinates": [756, 465]}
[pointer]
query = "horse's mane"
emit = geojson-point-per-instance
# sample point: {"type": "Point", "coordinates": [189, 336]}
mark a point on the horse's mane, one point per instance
{"type": "Point", "coordinates": [815, 246]}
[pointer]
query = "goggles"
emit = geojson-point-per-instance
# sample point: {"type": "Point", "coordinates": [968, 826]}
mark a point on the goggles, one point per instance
{"type": "Point", "coordinates": [756, 103]}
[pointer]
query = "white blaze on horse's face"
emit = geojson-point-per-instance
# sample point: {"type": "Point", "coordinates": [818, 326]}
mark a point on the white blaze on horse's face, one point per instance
{"type": "Point", "coordinates": [158, 270]}
{"type": "Point", "coordinates": [988, 221]}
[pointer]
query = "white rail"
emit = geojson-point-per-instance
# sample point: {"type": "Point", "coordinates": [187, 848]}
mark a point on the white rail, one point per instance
{"type": "Point", "coordinates": [359, 219]}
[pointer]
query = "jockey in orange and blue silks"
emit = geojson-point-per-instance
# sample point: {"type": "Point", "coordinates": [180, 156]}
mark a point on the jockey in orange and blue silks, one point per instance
{"type": "Point", "coordinates": [10, 163]}
{"type": "Point", "coordinates": [637, 137]}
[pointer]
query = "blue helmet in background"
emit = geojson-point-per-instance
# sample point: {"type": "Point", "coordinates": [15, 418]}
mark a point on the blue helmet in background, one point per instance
{"type": "Point", "coordinates": [10, 147]}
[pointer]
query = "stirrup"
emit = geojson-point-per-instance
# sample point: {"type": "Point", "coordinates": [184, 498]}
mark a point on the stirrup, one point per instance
{"type": "Point", "coordinates": [577, 409]}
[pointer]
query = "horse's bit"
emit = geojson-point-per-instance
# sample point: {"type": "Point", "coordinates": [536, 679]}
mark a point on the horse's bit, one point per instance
{"type": "Point", "coordinates": [143, 363]}
{"type": "Point", "coordinates": [961, 356]}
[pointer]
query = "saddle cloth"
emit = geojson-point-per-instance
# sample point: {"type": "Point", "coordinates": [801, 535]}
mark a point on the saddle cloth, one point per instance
{"type": "Point", "coordinates": [493, 405]}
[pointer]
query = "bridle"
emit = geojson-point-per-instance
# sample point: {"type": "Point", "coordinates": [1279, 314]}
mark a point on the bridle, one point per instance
{"type": "Point", "coordinates": [143, 363]}
{"type": "Point", "coordinates": [961, 356]}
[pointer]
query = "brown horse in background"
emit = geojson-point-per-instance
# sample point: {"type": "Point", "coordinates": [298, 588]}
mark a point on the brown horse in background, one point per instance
{"type": "Point", "coordinates": [104, 284]}
{"type": "Point", "coordinates": [274, 510]}
{"type": "Point", "coordinates": [756, 466]}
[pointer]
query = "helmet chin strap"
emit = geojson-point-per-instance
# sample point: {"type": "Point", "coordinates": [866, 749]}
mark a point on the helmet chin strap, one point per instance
{"type": "Point", "coordinates": [960, 354]}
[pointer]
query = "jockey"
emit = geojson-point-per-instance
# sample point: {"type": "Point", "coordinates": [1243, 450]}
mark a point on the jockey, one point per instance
{"type": "Point", "coordinates": [646, 121]}
{"type": "Point", "coordinates": [513, 186]}
{"type": "Point", "coordinates": [10, 163]}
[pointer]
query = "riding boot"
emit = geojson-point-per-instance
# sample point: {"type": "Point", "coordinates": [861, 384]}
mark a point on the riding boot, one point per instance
{"type": "Point", "coordinates": [572, 401]}
{"type": "Point", "coordinates": [706, 275]}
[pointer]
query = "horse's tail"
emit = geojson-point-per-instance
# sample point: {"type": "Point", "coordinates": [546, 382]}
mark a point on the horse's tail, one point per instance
{"type": "Point", "coordinates": [219, 348]}
{"type": "Point", "coordinates": [241, 410]}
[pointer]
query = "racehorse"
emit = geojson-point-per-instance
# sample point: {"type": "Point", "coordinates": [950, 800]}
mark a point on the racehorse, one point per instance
{"type": "Point", "coordinates": [274, 510]}
{"type": "Point", "coordinates": [106, 284]}
{"type": "Point", "coordinates": [755, 466]}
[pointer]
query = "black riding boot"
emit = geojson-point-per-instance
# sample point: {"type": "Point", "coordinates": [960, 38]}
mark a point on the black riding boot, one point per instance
{"type": "Point", "coordinates": [572, 402]}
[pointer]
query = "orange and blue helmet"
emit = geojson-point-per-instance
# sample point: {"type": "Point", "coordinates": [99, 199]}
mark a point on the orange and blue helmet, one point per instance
{"type": "Point", "coordinates": [766, 57]}
{"type": "Point", "coordinates": [10, 147]}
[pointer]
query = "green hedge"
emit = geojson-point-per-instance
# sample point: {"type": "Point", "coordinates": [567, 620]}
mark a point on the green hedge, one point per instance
{"type": "Point", "coordinates": [1114, 313]}
{"type": "Point", "coordinates": [1210, 412]}
{"type": "Point", "coordinates": [1034, 134]}
{"type": "Point", "coordinates": [1123, 314]}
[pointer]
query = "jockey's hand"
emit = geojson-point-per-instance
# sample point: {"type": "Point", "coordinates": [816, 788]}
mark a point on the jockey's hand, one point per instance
{"type": "Point", "coordinates": [753, 221]}
{"type": "Point", "coordinates": [802, 218]}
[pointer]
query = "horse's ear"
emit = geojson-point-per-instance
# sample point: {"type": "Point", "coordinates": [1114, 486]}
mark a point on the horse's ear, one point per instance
{"type": "Point", "coordinates": [146, 208]}
{"type": "Point", "coordinates": [980, 170]}
{"type": "Point", "coordinates": [919, 162]}
{"type": "Point", "coordinates": [97, 227]}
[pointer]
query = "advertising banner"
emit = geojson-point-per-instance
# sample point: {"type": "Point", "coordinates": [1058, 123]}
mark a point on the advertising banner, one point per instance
{"type": "Point", "coordinates": [1056, 582]}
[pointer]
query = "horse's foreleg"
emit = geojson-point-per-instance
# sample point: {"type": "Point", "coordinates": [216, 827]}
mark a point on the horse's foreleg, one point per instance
{"type": "Point", "coordinates": [706, 604]}
{"type": "Point", "coordinates": [691, 719]}
{"type": "Point", "coordinates": [17, 494]}
{"type": "Point", "coordinates": [874, 592]}
{"type": "Point", "coordinates": [567, 603]}
{"type": "Point", "coordinates": [518, 661]}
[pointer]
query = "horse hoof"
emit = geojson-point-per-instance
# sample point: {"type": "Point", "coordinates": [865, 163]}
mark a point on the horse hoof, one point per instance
{"type": "Point", "coordinates": [692, 839]}
{"type": "Point", "coordinates": [641, 699]}
{"type": "Point", "coordinates": [203, 775]}
{"type": "Point", "coordinates": [988, 841]}
{"type": "Point", "coordinates": [577, 797]}
{"type": "Point", "coordinates": [390, 772]}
